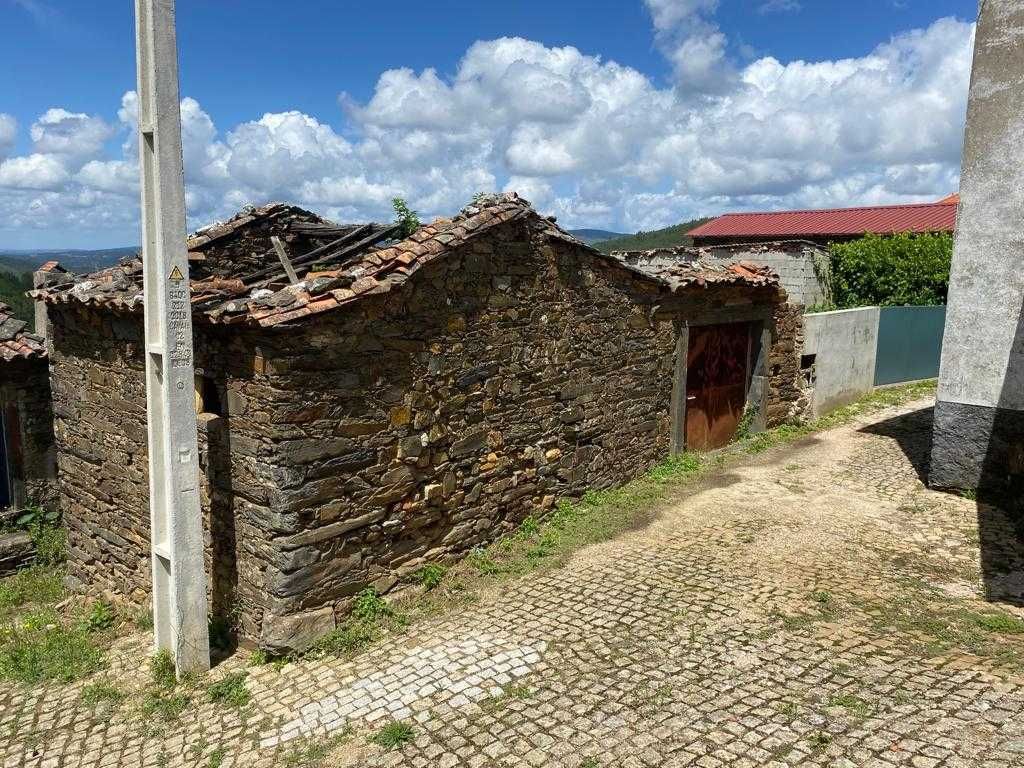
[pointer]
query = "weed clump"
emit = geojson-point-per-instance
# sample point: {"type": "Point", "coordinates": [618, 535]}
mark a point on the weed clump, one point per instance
{"type": "Point", "coordinates": [430, 575]}
{"type": "Point", "coordinates": [393, 735]}
{"type": "Point", "coordinates": [230, 691]}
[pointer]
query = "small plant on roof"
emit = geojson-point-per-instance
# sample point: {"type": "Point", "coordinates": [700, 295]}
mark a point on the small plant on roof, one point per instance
{"type": "Point", "coordinates": [406, 218]}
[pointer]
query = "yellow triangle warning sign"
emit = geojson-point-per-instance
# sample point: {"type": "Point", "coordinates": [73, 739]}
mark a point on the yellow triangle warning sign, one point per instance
{"type": "Point", "coordinates": [176, 274]}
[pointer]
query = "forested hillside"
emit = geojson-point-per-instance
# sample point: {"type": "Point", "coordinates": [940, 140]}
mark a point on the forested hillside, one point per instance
{"type": "Point", "coordinates": [12, 292]}
{"type": "Point", "coordinates": [658, 238]}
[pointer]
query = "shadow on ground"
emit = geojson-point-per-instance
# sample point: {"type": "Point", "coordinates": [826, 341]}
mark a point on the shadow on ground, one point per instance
{"type": "Point", "coordinates": [1000, 517]}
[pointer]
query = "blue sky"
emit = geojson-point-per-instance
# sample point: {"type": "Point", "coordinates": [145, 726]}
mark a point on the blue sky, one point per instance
{"type": "Point", "coordinates": [627, 114]}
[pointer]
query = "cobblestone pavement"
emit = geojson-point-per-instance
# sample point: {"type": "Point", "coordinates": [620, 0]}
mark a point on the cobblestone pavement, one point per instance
{"type": "Point", "coordinates": [813, 606]}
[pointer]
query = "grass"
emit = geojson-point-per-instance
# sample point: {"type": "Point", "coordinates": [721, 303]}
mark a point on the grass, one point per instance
{"type": "Point", "coordinates": [230, 691]}
{"type": "Point", "coordinates": [508, 694]}
{"type": "Point", "coordinates": [38, 642]}
{"type": "Point", "coordinates": [393, 735]}
{"type": "Point", "coordinates": [819, 741]}
{"type": "Point", "coordinates": [164, 706]}
{"type": "Point", "coordinates": [870, 403]}
{"type": "Point", "coordinates": [162, 671]}
{"type": "Point", "coordinates": [855, 705]}
{"type": "Point", "coordinates": [38, 646]}
{"type": "Point", "coordinates": [216, 757]}
{"type": "Point", "coordinates": [311, 753]}
{"type": "Point", "coordinates": [34, 585]}
{"type": "Point", "coordinates": [370, 619]}
{"type": "Point", "coordinates": [826, 608]}
{"type": "Point", "coordinates": [100, 693]}
{"type": "Point", "coordinates": [941, 624]}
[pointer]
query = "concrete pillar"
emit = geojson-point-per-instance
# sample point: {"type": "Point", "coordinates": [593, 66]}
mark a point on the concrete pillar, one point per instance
{"type": "Point", "coordinates": [176, 518]}
{"type": "Point", "coordinates": [979, 417]}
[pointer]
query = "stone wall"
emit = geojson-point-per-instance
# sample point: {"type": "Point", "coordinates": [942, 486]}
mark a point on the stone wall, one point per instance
{"type": "Point", "coordinates": [440, 416]}
{"type": "Point", "coordinates": [28, 414]}
{"type": "Point", "coordinates": [409, 428]}
{"type": "Point", "coordinates": [100, 426]}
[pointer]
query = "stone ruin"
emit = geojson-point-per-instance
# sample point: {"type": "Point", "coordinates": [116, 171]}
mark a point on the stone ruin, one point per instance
{"type": "Point", "coordinates": [400, 402]}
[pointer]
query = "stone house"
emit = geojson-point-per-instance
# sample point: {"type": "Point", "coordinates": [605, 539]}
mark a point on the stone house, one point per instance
{"type": "Point", "coordinates": [398, 403]}
{"type": "Point", "coordinates": [27, 460]}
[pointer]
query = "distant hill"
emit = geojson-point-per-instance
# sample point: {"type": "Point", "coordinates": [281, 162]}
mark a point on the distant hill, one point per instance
{"type": "Point", "coordinates": [591, 236]}
{"type": "Point", "coordinates": [74, 260]}
{"type": "Point", "coordinates": [646, 241]}
{"type": "Point", "coordinates": [12, 292]}
{"type": "Point", "coordinates": [17, 266]}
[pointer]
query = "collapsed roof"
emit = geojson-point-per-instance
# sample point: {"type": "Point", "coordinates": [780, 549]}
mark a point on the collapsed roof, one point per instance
{"type": "Point", "coordinates": [16, 343]}
{"type": "Point", "coordinates": [335, 265]}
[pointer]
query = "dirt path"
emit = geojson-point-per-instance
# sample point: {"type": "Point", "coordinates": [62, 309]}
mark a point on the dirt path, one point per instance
{"type": "Point", "coordinates": [814, 606]}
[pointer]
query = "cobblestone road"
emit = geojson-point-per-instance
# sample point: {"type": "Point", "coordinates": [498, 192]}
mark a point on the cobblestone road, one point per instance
{"type": "Point", "coordinates": [815, 606]}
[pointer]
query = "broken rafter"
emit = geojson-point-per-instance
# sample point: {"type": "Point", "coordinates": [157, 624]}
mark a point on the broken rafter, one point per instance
{"type": "Point", "coordinates": [313, 229]}
{"type": "Point", "coordinates": [282, 254]}
{"type": "Point", "coordinates": [307, 257]}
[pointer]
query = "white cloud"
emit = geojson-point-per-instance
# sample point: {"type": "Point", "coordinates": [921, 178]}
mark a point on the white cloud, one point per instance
{"type": "Point", "coordinates": [691, 40]}
{"type": "Point", "coordinates": [8, 131]}
{"type": "Point", "coordinates": [594, 142]}
{"type": "Point", "coordinates": [34, 171]}
{"type": "Point", "coordinates": [780, 6]}
{"type": "Point", "coordinates": [74, 135]}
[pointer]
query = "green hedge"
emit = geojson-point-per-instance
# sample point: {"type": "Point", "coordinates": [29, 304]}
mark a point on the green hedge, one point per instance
{"type": "Point", "coordinates": [894, 270]}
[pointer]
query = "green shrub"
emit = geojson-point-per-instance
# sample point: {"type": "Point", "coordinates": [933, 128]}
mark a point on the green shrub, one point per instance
{"type": "Point", "coordinates": [51, 544]}
{"type": "Point", "coordinates": [895, 270]}
{"type": "Point", "coordinates": [369, 606]}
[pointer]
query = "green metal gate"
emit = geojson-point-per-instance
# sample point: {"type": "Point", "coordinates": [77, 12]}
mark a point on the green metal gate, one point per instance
{"type": "Point", "coordinates": [909, 344]}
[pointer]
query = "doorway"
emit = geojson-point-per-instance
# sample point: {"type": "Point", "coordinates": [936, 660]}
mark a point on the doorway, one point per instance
{"type": "Point", "coordinates": [717, 373]}
{"type": "Point", "coordinates": [5, 472]}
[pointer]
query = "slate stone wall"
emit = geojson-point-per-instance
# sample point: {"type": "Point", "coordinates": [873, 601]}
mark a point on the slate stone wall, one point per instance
{"type": "Point", "coordinates": [100, 426]}
{"type": "Point", "coordinates": [408, 429]}
{"type": "Point", "coordinates": [28, 413]}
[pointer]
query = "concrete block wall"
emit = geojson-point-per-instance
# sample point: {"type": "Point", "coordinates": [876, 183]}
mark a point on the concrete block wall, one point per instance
{"type": "Point", "coordinates": [793, 261]}
{"type": "Point", "coordinates": [844, 344]}
{"type": "Point", "coordinates": [795, 268]}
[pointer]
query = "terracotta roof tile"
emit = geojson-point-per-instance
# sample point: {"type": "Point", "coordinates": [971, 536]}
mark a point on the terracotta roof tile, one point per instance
{"type": "Point", "coordinates": [16, 342]}
{"type": "Point", "coordinates": [231, 301]}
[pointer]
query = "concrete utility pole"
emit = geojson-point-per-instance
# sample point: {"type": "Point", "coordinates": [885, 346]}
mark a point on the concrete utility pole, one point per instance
{"type": "Point", "coordinates": [979, 416]}
{"type": "Point", "coordinates": [179, 575]}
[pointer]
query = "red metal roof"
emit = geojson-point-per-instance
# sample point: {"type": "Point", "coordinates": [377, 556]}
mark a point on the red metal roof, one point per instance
{"type": "Point", "coordinates": [882, 220]}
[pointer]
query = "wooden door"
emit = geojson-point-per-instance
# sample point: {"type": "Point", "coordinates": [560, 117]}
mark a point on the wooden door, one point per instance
{"type": "Point", "coordinates": [717, 367]}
